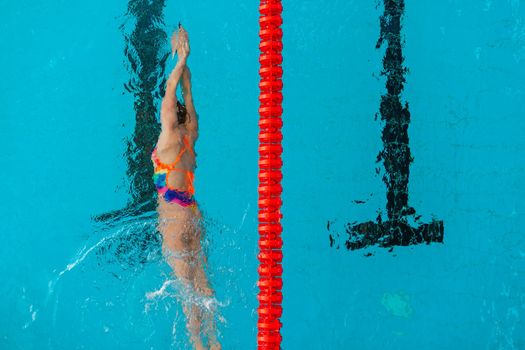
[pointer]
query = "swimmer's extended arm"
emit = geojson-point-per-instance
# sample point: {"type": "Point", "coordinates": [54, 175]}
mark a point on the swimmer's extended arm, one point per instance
{"type": "Point", "coordinates": [192, 122]}
{"type": "Point", "coordinates": [168, 109]}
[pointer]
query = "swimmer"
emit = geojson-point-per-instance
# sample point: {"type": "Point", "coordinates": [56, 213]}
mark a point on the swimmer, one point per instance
{"type": "Point", "coordinates": [180, 220]}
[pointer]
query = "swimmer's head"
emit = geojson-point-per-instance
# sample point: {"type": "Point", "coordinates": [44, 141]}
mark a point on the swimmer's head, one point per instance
{"type": "Point", "coordinates": [181, 113]}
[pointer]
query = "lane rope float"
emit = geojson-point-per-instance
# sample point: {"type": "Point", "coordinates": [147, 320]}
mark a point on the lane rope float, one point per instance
{"type": "Point", "coordinates": [270, 176]}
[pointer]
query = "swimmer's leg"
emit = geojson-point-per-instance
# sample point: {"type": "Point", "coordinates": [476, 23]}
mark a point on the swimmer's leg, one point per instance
{"type": "Point", "coordinates": [203, 290]}
{"type": "Point", "coordinates": [194, 315]}
{"type": "Point", "coordinates": [178, 249]}
{"type": "Point", "coordinates": [175, 245]}
{"type": "Point", "coordinates": [200, 279]}
{"type": "Point", "coordinates": [202, 286]}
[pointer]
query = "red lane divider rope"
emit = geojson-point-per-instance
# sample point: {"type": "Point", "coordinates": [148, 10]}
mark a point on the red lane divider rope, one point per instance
{"type": "Point", "coordinates": [270, 176]}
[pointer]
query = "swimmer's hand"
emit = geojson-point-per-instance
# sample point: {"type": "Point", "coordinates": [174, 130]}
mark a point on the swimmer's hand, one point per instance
{"type": "Point", "coordinates": [180, 43]}
{"type": "Point", "coordinates": [174, 43]}
{"type": "Point", "coordinates": [183, 48]}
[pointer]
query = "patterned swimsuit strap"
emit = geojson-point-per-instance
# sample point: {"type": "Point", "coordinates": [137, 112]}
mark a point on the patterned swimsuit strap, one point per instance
{"type": "Point", "coordinates": [171, 166]}
{"type": "Point", "coordinates": [187, 144]}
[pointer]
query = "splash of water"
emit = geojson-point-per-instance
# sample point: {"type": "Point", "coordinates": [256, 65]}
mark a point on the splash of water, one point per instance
{"type": "Point", "coordinates": [129, 253]}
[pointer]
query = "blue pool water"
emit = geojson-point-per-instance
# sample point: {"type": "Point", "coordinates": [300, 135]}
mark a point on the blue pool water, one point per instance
{"type": "Point", "coordinates": [70, 282]}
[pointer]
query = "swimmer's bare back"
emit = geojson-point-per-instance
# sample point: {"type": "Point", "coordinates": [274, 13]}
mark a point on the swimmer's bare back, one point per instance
{"type": "Point", "coordinates": [175, 148]}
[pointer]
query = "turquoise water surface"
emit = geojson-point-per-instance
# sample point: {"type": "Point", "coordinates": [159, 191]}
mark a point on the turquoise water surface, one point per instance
{"type": "Point", "coordinates": [72, 282]}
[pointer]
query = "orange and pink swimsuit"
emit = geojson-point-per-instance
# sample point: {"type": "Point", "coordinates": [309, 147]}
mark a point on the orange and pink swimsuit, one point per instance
{"type": "Point", "coordinates": [161, 174]}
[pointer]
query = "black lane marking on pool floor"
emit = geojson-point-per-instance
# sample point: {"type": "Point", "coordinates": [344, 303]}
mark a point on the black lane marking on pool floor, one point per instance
{"type": "Point", "coordinates": [395, 155]}
{"type": "Point", "coordinates": [146, 55]}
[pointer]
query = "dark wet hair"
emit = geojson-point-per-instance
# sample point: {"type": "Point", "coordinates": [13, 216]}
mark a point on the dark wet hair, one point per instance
{"type": "Point", "coordinates": [182, 113]}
